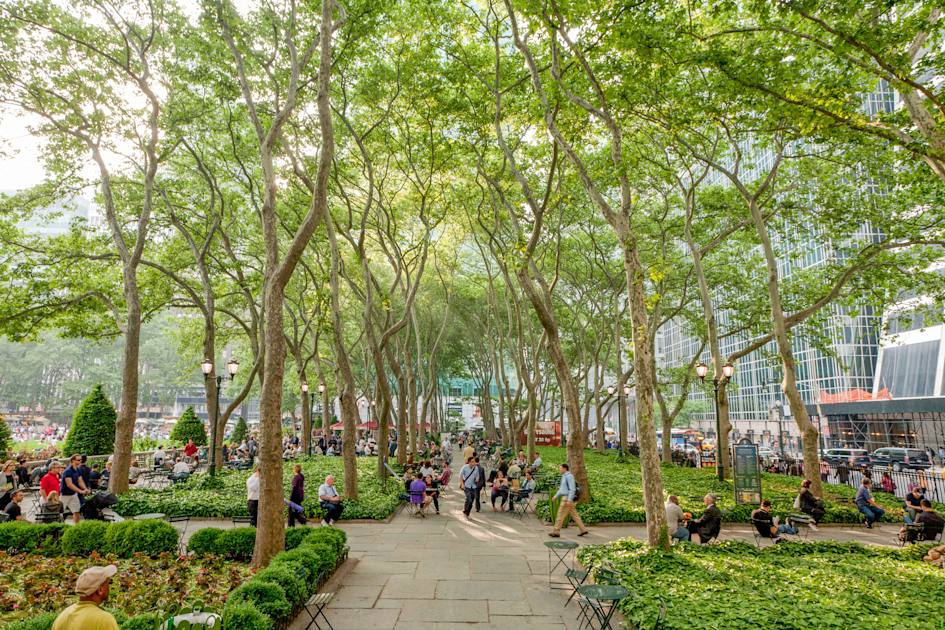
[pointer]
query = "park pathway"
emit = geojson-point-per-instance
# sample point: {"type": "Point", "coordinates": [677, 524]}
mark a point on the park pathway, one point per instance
{"type": "Point", "coordinates": [443, 571]}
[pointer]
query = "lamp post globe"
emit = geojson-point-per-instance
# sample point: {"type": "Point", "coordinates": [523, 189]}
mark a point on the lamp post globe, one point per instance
{"type": "Point", "coordinates": [206, 366]}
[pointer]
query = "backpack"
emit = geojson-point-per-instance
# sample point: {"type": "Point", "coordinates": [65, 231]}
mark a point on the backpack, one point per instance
{"type": "Point", "coordinates": [577, 493]}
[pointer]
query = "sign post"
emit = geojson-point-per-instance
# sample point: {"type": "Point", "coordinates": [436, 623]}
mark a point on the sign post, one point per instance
{"type": "Point", "coordinates": [747, 474]}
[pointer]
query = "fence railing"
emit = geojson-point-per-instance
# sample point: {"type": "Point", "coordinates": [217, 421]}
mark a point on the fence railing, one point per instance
{"type": "Point", "coordinates": [903, 480]}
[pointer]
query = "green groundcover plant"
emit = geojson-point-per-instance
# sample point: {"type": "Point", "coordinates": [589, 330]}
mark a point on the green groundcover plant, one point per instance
{"type": "Point", "coordinates": [227, 497]}
{"type": "Point", "coordinates": [734, 585]}
{"type": "Point", "coordinates": [617, 492]}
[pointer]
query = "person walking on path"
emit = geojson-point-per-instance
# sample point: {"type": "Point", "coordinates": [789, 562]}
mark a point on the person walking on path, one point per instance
{"type": "Point", "coordinates": [481, 483]}
{"type": "Point", "coordinates": [252, 495]}
{"type": "Point", "coordinates": [92, 587]}
{"type": "Point", "coordinates": [469, 482]}
{"type": "Point", "coordinates": [568, 493]}
{"type": "Point", "coordinates": [297, 495]}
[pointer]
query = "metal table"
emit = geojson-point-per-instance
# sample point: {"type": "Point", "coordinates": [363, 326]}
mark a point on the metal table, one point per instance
{"type": "Point", "coordinates": [603, 599]}
{"type": "Point", "coordinates": [155, 516]}
{"type": "Point", "coordinates": [560, 549]}
{"type": "Point", "coordinates": [196, 620]}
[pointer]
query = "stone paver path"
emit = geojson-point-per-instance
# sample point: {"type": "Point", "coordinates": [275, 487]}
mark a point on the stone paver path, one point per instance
{"type": "Point", "coordinates": [491, 572]}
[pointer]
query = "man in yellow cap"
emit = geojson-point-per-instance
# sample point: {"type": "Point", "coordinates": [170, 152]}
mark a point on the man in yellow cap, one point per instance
{"type": "Point", "coordinates": [92, 589]}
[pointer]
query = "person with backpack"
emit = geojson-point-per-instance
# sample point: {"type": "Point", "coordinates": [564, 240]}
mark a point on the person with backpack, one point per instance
{"type": "Point", "coordinates": [469, 482]}
{"type": "Point", "coordinates": [481, 483]}
{"type": "Point", "coordinates": [569, 493]}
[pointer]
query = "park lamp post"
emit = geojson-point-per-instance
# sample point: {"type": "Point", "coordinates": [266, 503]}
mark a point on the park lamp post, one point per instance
{"type": "Point", "coordinates": [311, 416]}
{"type": "Point", "coordinates": [206, 366]}
{"type": "Point", "coordinates": [727, 371]}
{"type": "Point", "coordinates": [621, 414]}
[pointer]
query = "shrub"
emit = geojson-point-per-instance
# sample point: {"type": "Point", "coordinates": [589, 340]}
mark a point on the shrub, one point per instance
{"type": "Point", "coordinates": [294, 536]}
{"type": "Point", "coordinates": [84, 538]}
{"type": "Point", "coordinates": [189, 427]}
{"type": "Point", "coordinates": [240, 431]}
{"type": "Point", "coordinates": [245, 616]}
{"type": "Point", "coordinates": [93, 426]}
{"type": "Point", "coordinates": [150, 537]}
{"type": "Point", "coordinates": [325, 557]}
{"type": "Point", "coordinates": [333, 537]}
{"type": "Point", "coordinates": [40, 622]}
{"type": "Point", "coordinates": [269, 598]}
{"type": "Point", "coordinates": [204, 541]}
{"type": "Point", "coordinates": [237, 543]}
{"type": "Point", "coordinates": [295, 591]}
{"type": "Point", "coordinates": [147, 621]}
{"type": "Point", "coordinates": [22, 537]}
{"type": "Point", "coordinates": [302, 561]}
{"type": "Point", "coordinates": [6, 437]}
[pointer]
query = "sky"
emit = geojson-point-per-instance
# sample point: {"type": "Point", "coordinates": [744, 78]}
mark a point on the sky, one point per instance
{"type": "Point", "coordinates": [20, 163]}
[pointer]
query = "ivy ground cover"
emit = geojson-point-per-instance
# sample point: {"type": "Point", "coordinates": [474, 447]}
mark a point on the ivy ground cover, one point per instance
{"type": "Point", "coordinates": [224, 496]}
{"type": "Point", "coordinates": [734, 585]}
{"type": "Point", "coordinates": [31, 584]}
{"type": "Point", "coordinates": [617, 492]}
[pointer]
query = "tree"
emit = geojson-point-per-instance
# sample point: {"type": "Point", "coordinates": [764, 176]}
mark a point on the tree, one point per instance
{"type": "Point", "coordinates": [190, 427]}
{"type": "Point", "coordinates": [93, 426]}
{"type": "Point", "coordinates": [6, 437]}
{"type": "Point", "coordinates": [240, 431]}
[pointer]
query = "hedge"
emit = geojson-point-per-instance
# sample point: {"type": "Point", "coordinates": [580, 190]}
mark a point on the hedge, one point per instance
{"type": "Point", "coordinates": [291, 578]}
{"type": "Point", "coordinates": [122, 539]}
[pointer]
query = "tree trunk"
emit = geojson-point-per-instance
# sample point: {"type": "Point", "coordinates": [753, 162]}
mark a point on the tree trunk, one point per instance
{"type": "Point", "coordinates": [270, 533]}
{"type": "Point", "coordinates": [656, 532]}
{"type": "Point", "coordinates": [306, 421]}
{"type": "Point", "coordinates": [128, 411]}
{"type": "Point", "coordinates": [789, 384]}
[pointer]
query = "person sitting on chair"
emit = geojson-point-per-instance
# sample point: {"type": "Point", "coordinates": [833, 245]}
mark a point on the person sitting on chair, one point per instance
{"type": "Point", "coordinates": [675, 517]}
{"type": "Point", "coordinates": [913, 505]}
{"type": "Point", "coordinates": [500, 488]}
{"type": "Point", "coordinates": [418, 494]}
{"type": "Point", "coordinates": [764, 522]}
{"type": "Point", "coordinates": [709, 524]}
{"type": "Point", "coordinates": [866, 504]}
{"type": "Point", "coordinates": [809, 504]}
{"type": "Point", "coordinates": [13, 510]}
{"type": "Point", "coordinates": [330, 501]}
{"type": "Point", "coordinates": [932, 524]}
{"type": "Point", "coordinates": [433, 491]}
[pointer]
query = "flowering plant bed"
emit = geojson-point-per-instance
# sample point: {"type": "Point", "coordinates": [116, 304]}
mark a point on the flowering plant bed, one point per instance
{"type": "Point", "coordinates": [31, 584]}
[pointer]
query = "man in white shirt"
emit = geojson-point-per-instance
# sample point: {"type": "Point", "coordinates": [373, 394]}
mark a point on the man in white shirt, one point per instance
{"type": "Point", "coordinates": [675, 518]}
{"type": "Point", "coordinates": [252, 495]}
{"type": "Point", "coordinates": [181, 467]}
{"type": "Point", "coordinates": [159, 456]}
{"type": "Point", "coordinates": [330, 501]}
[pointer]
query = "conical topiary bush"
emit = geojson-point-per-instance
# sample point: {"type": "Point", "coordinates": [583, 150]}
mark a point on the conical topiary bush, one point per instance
{"type": "Point", "coordinates": [189, 427]}
{"type": "Point", "coordinates": [6, 437]}
{"type": "Point", "coordinates": [240, 431]}
{"type": "Point", "coordinates": [93, 426]}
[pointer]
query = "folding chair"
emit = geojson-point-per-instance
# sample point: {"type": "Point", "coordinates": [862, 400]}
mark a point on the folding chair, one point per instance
{"type": "Point", "coordinates": [762, 531]}
{"type": "Point", "coordinates": [318, 602]}
{"type": "Point", "coordinates": [180, 518]}
{"type": "Point", "coordinates": [417, 506]}
{"type": "Point", "coordinates": [521, 502]}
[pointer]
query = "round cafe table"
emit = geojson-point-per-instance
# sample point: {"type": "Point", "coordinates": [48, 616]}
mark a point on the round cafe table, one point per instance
{"type": "Point", "coordinates": [561, 550]}
{"type": "Point", "coordinates": [604, 599]}
{"type": "Point", "coordinates": [196, 620]}
{"type": "Point", "coordinates": [155, 516]}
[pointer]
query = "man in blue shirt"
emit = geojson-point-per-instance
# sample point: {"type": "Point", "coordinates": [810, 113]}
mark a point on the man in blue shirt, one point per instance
{"type": "Point", "coordinates": [469, 482]}
{"type": "Point", "coordinates": [867, 504]}
{"type": "Point", "coordinates": [567, 491]}
{"type": "Point", "coordinates": [72, 487]}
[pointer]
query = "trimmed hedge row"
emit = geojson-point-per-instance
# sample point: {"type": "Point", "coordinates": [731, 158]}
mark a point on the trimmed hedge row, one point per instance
{"type": "Point", "coordinates": [271, 596]}
{"type": "Point", "coordinates": [123, 539]}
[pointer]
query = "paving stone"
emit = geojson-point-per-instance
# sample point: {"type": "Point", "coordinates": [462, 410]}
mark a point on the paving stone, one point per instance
{"type": "Point", "coordinates": [356, 596]}
{"type": "Point", "coordinates": [479, 590]}
{"type": "Point", "coordinates": [446, 611]}
{"type": "Point", "coordinates": [407, 587]}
